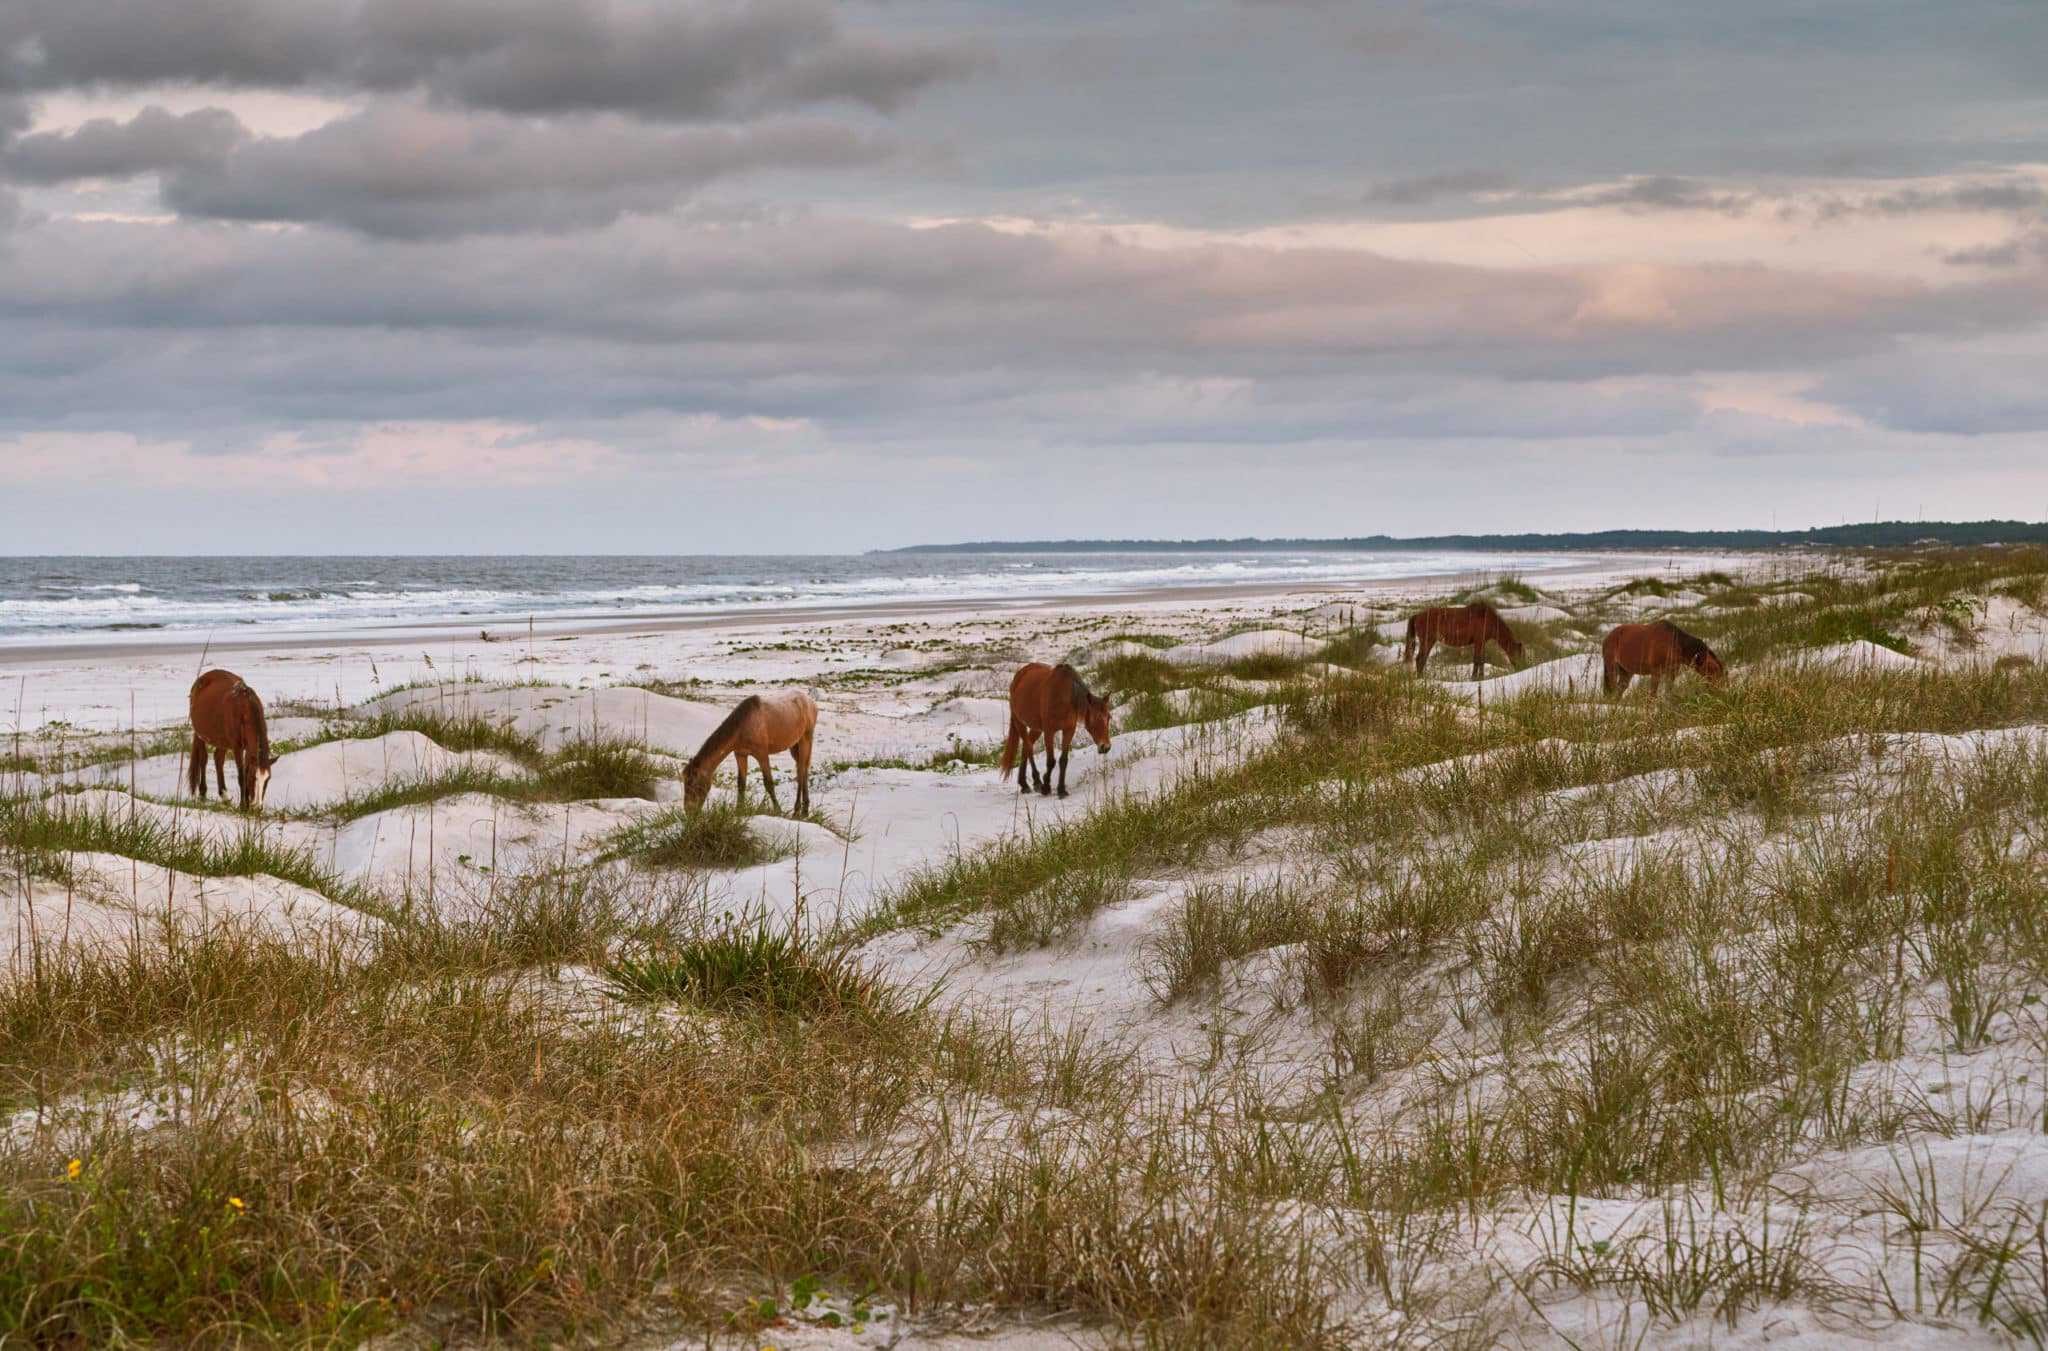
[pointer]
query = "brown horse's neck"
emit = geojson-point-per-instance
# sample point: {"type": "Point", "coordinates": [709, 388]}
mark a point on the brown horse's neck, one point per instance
{"type": "Point", "coordinates": [255, 728]}
{"type": "Point", "coordinates": [1690, 649]}
{"type": "Point", "coordinates": [1077, 689]}
{"type": "Point", "coordinates": [723, 737]}
{"type": "Point", "coordinates": [262, 726]}
{"type": "Point", "coordinates": [1490, 622]}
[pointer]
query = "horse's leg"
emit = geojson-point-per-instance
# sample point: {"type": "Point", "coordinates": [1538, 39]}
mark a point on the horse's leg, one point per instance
{"type": "Point", "coordinates": [1051, 754]}
{"type": "Point", "coordinates": [1066, 749]}
{"type": "Point", "coordinates": [739, 764]}
{"type": "Point", "coordinates": [801, 753]}
{"type": "Point", "coordinates": [768, 782]}
{"type": "Point", "coordinates": [1479, 658]}
{"type": "Point", "coordinates": [195, 775]}
{"type": "Point", "coordinates": [1026, 740]}
{"type": "Point", "coordinates": [220, 771]}
{"type": "Point", "coordinates": [1422, 646]}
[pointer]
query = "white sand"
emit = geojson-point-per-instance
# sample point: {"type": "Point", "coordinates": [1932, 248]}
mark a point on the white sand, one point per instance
{"type": "Point", "coordinates": [886, 821]}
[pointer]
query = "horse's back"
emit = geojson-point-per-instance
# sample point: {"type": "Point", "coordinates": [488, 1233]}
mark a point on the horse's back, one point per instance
{"type": "Point", "coordinates": [212, 705]}
{"type": "Point", "coordinates": [790, 715]}
{"type": "Point", "coordinates": [1642, 648]}
{"type": "Point", "coordinates": [1032, 690]}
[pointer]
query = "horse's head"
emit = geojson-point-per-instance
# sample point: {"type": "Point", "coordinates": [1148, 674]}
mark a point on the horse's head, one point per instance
{"type": "Point", "coordinates": [1096, 719]}
{"type": "Point", "coordinates": [1709, 665]}
{"type": "Point", "coordinates": [1512, 646]}
{"type": "Point", "coordinates": [697, 784]}
{"type": "Point", "coordinates": [263, 764]}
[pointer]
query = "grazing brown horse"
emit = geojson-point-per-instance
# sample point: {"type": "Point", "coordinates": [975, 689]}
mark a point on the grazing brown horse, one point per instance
{"type": "Point", "coordinates": [1653, 650]}
{"type": "Point", "coordinates": [761, 726]}
{"type": "Point", "coordinates": [227, 715]}
{"type": "Point", "coordinates": [1044, 701]}
{"type": "Point", "coordinates": [1472, 626]}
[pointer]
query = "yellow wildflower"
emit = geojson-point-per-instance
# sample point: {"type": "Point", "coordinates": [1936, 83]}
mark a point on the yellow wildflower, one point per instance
{"type": "Point", "coordinates": [74, 1168]}
{"type": "Point", "coordinates": [236, 1202]}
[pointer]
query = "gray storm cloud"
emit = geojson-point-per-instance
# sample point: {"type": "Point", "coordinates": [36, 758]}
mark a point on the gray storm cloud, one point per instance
{"type": "Point", "coordinates": [646, 57]}
{"type": "Point", "coordinates": [981, 229]}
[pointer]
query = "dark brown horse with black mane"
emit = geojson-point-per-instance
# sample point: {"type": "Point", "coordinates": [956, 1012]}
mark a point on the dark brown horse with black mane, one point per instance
{"type": "Point", "coordinates": [760, 726]}
{"type": "Point", "coordinates": [227, 715]}
{"type": "Point", "coordinates": [1653, 650]}
{"type": "Point", "coordinates": [1472, 626]}
{"type": "Point", "coordinates": [1047, 700]}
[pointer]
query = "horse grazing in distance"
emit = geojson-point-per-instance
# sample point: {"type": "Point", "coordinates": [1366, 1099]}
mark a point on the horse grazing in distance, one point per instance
{"type": "Point", "coordinates": [762, 725]}
{"type": "Point", "coordinates": [1044, 701]}
{"type": "Point", "coordinates": [227, 716]}
{"type": "Point", "coordinates": [1472, 626]}
{"type": "Point", "coordinates": [1653, 650]}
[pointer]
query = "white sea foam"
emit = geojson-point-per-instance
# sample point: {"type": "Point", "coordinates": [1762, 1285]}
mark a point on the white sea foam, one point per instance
{"type": "Point", "coordinates": [182, 596]}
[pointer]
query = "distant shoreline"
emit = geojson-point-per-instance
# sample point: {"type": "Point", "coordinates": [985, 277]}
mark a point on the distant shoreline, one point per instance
{"type": "Point", "coordinates": [1870, 535]}
{"type": "Point", "coordinates": [69, 648]}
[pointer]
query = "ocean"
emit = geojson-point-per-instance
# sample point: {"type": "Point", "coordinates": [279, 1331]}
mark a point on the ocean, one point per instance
{"type": "Point", "coordinates": [129, 599]}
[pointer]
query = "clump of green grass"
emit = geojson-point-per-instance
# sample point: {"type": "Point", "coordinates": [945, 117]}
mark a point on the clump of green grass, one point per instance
{"type": "Point", "coordinates": [1133, 676]}
{"type": "Point", "coordinates": [760, 969]}
{"type": "Point", "coordinates": [1353, 648]}
{"type": "Point", "coordinates": [1049, 912]}
{"type": "Point", "coordinates": [1264, 666]}
{"type": "Point", "coordinates": [716, 836]}
{"type": "Point", "coordinates": [41, 832]}
{"type": "Point", "coordinates": [599, 767]}
{"type": "Point", "coordinates": [1215, 925]}
{"type": "Point", "coordinates": [966, 752]}
{"type": "Point", "coordinates": [578, 771]}
{"type": "Point", "coordinates": [464, 730]}
{"type": "Point", "coordinates": [547, 916]}
{"type": "Point", "coordinates": [1854, 625]}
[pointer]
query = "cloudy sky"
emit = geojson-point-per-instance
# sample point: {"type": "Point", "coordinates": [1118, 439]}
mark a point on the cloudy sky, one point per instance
{"type": "Point", "coordinates": [669, 276]}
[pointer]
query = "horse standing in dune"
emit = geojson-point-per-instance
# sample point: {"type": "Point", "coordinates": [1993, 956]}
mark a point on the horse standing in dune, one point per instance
{"type": "Point", "coordinates": [1048, 701]}
{"type": "Point", "coordinates": [762, 725]}
{"type": "Point", "coordinates": [1653, 650]}
{"type": "Point", "coordinates": [1472, 626]}
{"type": "Point", "coordinates": [228, 717]}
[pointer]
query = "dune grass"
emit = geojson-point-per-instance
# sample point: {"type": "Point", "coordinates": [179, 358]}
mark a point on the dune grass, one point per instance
{"type": "Point", "coordinates": [1538, 964]}
{"type": "Point", "coordinates": [334, 1116]}
{"type": "Point", "coordinates": [40, 833]}
{"type": "Point", "coordinates": [716, 836]}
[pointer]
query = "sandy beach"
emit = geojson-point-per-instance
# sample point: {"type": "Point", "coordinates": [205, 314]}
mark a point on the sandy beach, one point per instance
{"type": "Point", "coordinates": [88, 683]}
{"type": "Point", "coordinates": [424, 777]}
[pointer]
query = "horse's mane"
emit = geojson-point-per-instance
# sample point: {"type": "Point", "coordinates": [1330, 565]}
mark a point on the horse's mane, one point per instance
{"type": "Point", "coordinates": [1689, 647]}
{"type": "Point", "coordinates": [723, 735]}
{"type": "Point", "coordinates": [255, 704]}
{"type": "Point", "coordinates": [1077, 689]}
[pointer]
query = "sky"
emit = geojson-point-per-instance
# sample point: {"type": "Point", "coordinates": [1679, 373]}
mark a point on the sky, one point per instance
{"type": "Point", "coordinates": [369, 276]}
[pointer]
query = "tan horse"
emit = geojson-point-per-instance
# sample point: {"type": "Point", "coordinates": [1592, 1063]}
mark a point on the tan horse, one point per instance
{"type": "Point", "coordinates": [1471, 626]}
{"type": "Point", "coordinates": [762, 725]}
{"type": "Point", "coordinates": [1045, 700]}
{"type": "Point", "coordinates": [227, 715]}
{"type": "Point", "coordinates": [1653, 650]}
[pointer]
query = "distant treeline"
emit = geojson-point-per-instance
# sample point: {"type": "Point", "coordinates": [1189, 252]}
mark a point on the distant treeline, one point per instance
{"type": "Point", "coordinates": [1870, 535]}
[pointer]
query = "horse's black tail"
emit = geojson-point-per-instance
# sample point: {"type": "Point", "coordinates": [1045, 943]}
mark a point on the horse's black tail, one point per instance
{"type": "Point", "coordinates": [1408, 644]}
{"type": "Point", "coordinates": [1009, 749]}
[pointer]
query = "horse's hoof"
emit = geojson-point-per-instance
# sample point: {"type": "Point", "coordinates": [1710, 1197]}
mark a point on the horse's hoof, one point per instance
{"type": "Point", "coordinates": [1063, 792]}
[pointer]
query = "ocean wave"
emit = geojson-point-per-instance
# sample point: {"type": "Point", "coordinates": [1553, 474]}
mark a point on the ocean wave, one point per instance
{"type": "Point", "coordinates": [497, 591]}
